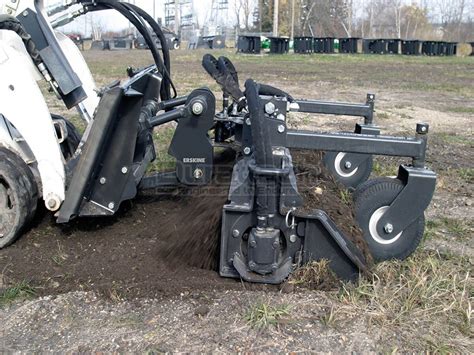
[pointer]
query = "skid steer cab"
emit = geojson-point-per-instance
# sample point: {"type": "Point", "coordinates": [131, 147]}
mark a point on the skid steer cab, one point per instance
{"type": "Point", "coordinates": [264, 235]}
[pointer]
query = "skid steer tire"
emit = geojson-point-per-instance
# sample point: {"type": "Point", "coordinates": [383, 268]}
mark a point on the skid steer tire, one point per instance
{"type": "Point", "coordinates": [69, 146]}
{"type": "Point", "coordinates": [15, 200]}
{"type": "Point", "coordinates": [32, 187]}
{"type": "Point", "coordinates": [351, 179]}
{"type": "Point", "coordinates": [370, 205]}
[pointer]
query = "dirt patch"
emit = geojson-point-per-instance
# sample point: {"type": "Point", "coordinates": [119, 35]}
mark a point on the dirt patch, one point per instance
{"type": "Point", "coordinates": [320, 190]}
{"type": "Point", "coordinates": [162, 243]}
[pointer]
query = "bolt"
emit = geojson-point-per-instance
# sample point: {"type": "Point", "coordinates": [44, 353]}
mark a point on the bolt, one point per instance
{"type": "Point", "coordinates": [293, 238]}
{"type": "Point", "coordinates": [281, 117]}
{"type": "Point", "coordinates": [348, 165]}
{"type": "Point", "coordinates": [253, 244]}
{"type": "Point", "coordinates": [198, 174]}
{"type": "Point", "coordinates": [247, 150]}
{"type": "Point", "coordinates": [270, 108]}
{"type": "Point", "coordinates": [388, 228]}
{"type": "Point", "coordinates": [252, 264]}
{"type": "Point", "coordinates": [25, 13]}
{"type": "Point", "coordinates": [111, 206]}
{"type": "Point", "coordinates": [124, 170]}
{"type": "Point", "coordinates": [231, 260]}
{"type": "Point", "coordinates": [235, 233]}
{"type": "Point", "coordinates": [198, 108]}
{"type": "Point", "coordinates": [52, 204]}
{"type": "Point", "coordinates": [281, 128]}
{"type": "Point", "coordinates": [247, 121]}
{"type": "Point", "coordinates": [274, 267]}
{"type": "Point", "coordinates": [103, 180]}
{"type": "Point", "coordinates": [276, 244]}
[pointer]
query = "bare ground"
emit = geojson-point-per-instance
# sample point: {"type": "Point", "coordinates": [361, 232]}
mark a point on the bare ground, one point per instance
{"type": "Point", "coordinates": [129, 298]}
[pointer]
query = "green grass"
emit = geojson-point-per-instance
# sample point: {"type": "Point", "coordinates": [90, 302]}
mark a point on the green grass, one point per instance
{"type": "Point", "coordinates": [461, 109]}
{"type": "Point", "coordinates": [263, 315]}
{"type": "Point", "coordinates": [20, 291]}
{"type": "Point", "coordinates": [454, 138]}
{"type": "Point", "coordinates": [467, 174]}
{"type": "Point", "coordinates": [162, 138]}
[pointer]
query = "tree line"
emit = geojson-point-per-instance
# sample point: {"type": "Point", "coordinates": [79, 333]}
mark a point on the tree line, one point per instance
{"type": "Point", "coordinates": [447, 20]}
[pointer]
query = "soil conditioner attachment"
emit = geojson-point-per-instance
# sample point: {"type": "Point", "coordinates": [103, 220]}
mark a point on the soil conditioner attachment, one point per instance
{"type": "Point", "coordinates": [264, 234]}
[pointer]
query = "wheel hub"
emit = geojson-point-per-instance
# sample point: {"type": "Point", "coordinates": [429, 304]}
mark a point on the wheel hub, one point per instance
{"type": "Point", "coordinates": [374, 219]}
{"type": "Point", "coordinates": [337, 165]}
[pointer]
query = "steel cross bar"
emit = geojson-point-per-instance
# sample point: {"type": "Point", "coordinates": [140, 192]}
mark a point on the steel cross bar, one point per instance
{"type": "Point", "coordinates": [357, 143]}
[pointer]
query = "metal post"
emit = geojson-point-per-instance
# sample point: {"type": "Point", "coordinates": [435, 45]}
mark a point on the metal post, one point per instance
{"type": "Point", "coordinates": [292, 37]}
{"type": "Point", "coordinates": [154, 10]}
{"type": "Point", "coordinates": [275, 18]}
{"type": "Point", "coordinates": [177, 13]}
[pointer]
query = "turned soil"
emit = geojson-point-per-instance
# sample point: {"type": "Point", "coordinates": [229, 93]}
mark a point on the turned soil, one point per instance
{"type": "Point", "coordinates": [162, 243]}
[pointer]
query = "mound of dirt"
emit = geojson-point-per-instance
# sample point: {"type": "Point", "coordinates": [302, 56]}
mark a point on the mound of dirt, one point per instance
{"type": "Point", "coordinates": [162, 243]}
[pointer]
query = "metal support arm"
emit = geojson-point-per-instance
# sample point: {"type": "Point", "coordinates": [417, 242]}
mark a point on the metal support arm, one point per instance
{"type": "Point", "coordinates": [357, 143]}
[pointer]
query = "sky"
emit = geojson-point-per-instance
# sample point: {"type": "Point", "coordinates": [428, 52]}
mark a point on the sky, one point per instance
{"type": "Point", "coordinates": [113, 21]}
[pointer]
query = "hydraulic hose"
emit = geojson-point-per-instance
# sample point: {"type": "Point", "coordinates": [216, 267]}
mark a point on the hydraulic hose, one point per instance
{"type": "Point", "coordinates": [10, 23]}
{"type": "Point", "coordinates": [131, 15]}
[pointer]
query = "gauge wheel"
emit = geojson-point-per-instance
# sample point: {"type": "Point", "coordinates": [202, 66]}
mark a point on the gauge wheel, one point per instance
{"type": "Point", "coordinates": [350, 177]}
{"type": "Point", "coordinates": [29, 179]}
{"type": "Point", "coordinates": [370, 205]}
{"type": "Point", "coordinates": [15, 199]}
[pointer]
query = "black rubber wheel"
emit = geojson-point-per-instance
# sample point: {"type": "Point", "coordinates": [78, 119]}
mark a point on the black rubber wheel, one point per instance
{"type": "Point", "coordinates": [370, 205]}
{"type": "Point", "coordinates": [367, 184]}
{"type": "Point", "coordinates": [29, 179]}
{"type": "Point", "coordinates": [352, 177]}
{"type": "Point", "coordinates": [15, 200]}
{"type": "Point", "coordinates": [69, 146]}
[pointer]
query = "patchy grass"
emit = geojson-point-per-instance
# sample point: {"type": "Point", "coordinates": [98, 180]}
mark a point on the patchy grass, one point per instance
{"type": "Point", "coordinates": [20, 291]}
{"type": "Point", "coordinates": [428, 291]}
{"type": "Point", "coordinates": [460, 109]}
{"type": "Point", "coordinates": [315, 276]}
{"type": "Point", "coordinates": [384, 168]}
{"type": "Point", "coordinates": [467, 174]}
{"type": "Point", "coordinates": [162, 138]}
{"type": "Point", "coordinates": [454, 138]}
{"type": "Point", "coordinates": [263, 315]}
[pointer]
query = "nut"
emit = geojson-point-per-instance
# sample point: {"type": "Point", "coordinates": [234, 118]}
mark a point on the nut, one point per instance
{"type": "Point", "coordinates": [124, 170]}
{"type": "Point", "coordinates": [270, 108]}
{"type": "Point", "coordinates": [247, 150]}
{"type": "Point", "coordinates": [198, 173]}
{"type": "Point", "coordinates": [281, 128]}
{"type": "Point", "coordinates": [198, 108]}
{"type": "Point", "coordinates": [235, 233]}
{"type": "Point", "coordinates": [388, 228]}
{"type": "Point", "coordinates": [293, 238]}
{"type": "Point", "coordinates": [111, 206]}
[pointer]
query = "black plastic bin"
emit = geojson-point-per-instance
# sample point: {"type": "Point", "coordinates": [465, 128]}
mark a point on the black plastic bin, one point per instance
{"type": "Point", "coordinates": [451, 48]}
{"type": "Point", "coordinates": [249, 44]}
{"type": "Point", "coordinates": [303, 45]}
{"type": "Point", "coordinates": [394, 46]}
{"type": "Point", "coordinates": [375, 46]}
{"type": "Point", "coordinates": [411, 47]}
{"type": "Point", "coordinates": [279, 45]}
{"type": "Point", "coordinates": [349, 45]}
{"type": "Point", "coordinates": [324, 45]}
{"type": "Point", "coordinates": [431, 48]}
